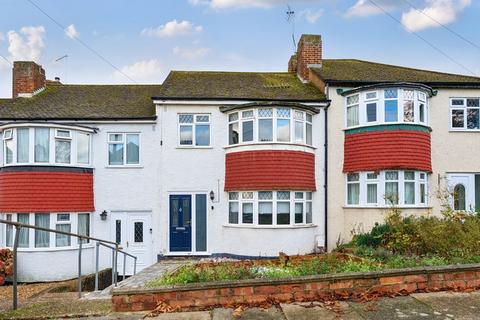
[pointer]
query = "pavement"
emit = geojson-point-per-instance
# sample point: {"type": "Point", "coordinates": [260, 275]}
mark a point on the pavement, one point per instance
{"type": "Point", "coordinates": [440, 305]}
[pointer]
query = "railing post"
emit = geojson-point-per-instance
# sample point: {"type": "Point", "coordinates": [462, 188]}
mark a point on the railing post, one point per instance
{"type": "Point", "coordinates": [15, 266]}
{"type": "Point", "coordinates": [116, 264]}
{"type": "Point", "coordinates": [80, 267]}
{"type": "Point", "coordinates": [124, 265]}
{"type": "Point", "coordinates": [135, 266]}
{"type": "Point", "coordinates": [97, 255]}
{"type": "Point", "coordinates": [113, 266]}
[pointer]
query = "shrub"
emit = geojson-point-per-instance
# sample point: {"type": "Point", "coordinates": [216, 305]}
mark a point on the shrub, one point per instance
{"type": "Point", "coordinates": [6, 264]}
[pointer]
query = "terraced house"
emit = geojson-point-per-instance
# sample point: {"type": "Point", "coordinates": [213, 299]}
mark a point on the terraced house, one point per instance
{"type": "Point", "coordinates": [231, 163]}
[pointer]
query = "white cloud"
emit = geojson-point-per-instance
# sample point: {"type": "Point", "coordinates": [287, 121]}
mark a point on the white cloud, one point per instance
{"type": "Point", "coordinates": [2, 37]}
{"type": "Point", "coordinates": [311, 16]}
{"type": "Point", "coordinates": [191, 54]}
{"type": "Point", "coordinates": [172, 28]}
{"type": "Point", "coordinates": [233, 4]}
{"type": "Point", "coordinates": [26, 45]}
{"type": "Point", "coordinates": [198, 2]}
{"type": "Point", "coordinates": [71, 32]}
{"type": "Point", "coordinates": [364, 8]}
{"type": "Point", "coordinates": [142, 71]}
{"type": "Point", "coordinates": [442, 11]}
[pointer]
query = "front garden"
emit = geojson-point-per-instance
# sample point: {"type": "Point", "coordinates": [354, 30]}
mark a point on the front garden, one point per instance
{"type": "Point", "coordinates": [400, 242]}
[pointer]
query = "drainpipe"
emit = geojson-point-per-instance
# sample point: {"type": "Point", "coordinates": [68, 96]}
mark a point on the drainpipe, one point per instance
{"type": "Point", "coordinates": [326, 179]}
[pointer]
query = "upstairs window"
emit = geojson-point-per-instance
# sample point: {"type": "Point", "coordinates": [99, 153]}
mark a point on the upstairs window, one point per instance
{"type": "Point", "coordinates": [465, 114]}
{"type": "Point", "coordinates": [353, 118]}
{"type": "Point", "coordinates": [123, 149]}
{"type": "Point", "coordinates": [391, 105]}
{"type": "Point", "coordinates": [8, 145]}
{"type": "Point", "coordinates": [280, 124]}
{"type": "Point", "coordinates": [194, 130]}
{"type": "Point", "coordinates": [63, 146]}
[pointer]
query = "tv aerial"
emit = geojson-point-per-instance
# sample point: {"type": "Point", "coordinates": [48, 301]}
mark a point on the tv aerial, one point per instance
{"type": "Point", "coordinates": [291, 20]}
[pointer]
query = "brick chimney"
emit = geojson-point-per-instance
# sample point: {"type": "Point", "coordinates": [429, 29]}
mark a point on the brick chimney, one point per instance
{"type": "Point", "coordinates": [28, 79]}
{"type": "Point", "coordinates": [309, 54]}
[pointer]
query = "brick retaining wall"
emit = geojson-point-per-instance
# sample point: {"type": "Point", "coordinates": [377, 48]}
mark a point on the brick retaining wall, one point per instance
{"type": "Point", "coordinates": [339, 286]}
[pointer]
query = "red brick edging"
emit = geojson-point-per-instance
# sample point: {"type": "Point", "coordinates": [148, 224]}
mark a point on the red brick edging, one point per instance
{"type": "Point", "coordinates": [256, 291]}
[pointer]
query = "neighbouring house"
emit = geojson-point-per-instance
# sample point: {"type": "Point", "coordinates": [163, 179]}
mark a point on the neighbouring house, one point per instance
{"type": "Point", "coordinates": [230, 163]}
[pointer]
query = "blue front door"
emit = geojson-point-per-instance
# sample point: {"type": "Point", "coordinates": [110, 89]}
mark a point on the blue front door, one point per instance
{"type": "Point", "coordinates": [180, 223]}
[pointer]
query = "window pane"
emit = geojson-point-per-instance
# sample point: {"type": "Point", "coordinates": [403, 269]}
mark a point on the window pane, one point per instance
{"type": "Point", "coordinates": [185, 118]}
{"type": "Point", "coordinates": [408, 113]}
{"type": "Point", "coordinates": [186, 135]}
{"type": "Point", "coordinates": [62, 240]}
{"type": "Point", "coordinates": [298, 131]}
{"type": "Point", "coordinates": [265, 195]}
{"type": "Point", "coordinates": [409, 192]}
{"type": "Point", "coordinates": [352, 99]}
{"type": "Point", "coordinates": [9, 232]}
{"type": "Point", "coordinates": [309, 134]}
{"type": "Point", "coordinates": [391, 175]}
{"type": "Point", "coordinates": [115, 154]}
{"type": "Point", "coordinates": [23, 240]}
{"type": "Point", "coordinates": [308, 212]}
{"type": "Point", "coordinates": [233, 212]}
{"type": "Point", "coordinates": [283, 130]}
{"type": "Point", "coordinates": [42, 238]}
{"type": "Point", "coordinates": [409, 175]}
{"type": "Point", "coordinates": [138, 232]}
{"type": "Point", "coordinates": [83, 148]}
{"type": "Point", "coordinates": [353, 193]}
{"type": "Point", "coordinates": [202, 135]}
{"type": "Point", "coordinates": [353, 177]}
{"type": "Point", "coordinates": [118, 231]}
{"type": "Point", "coordinates": [62, 151]}
{"type": "Point", "coordinates": [233, 195]}
{"type": "Point", "coordinates": [265, 213]}
{"type": "Point", "coordinates": [473, 119]}
{"type": "Point", "coordinates": [265, 130]}
{"type": "Point", "coordinates": [247, 134]}
{"type": "Point", "coordinates": [84, 225]}
{"type": "Point", "coordinates": [265, 112]}
{"type": "Point", "coordinates": [8, 151]}
{"type": "Point", "coordinates": [283, 213]}
{"type": "Point", "coordinates": [371, 95]}
{"type": "Point", "coordinates": [233, 133]}
{"type": "Point", "coordinates": [247, 114]}
{"type": "Point", "coordinates": [422, 193]}
{"type": "Point", "coordinates": [63, 133]}
{"type": "Point", "coordinates": [283, 112]}
{"type": "Point", "coordinates": [371, 193]}
{"type": "Point", "coordinates": [391, 192]}
{"type": "Point", "coordinates": [473, 103]}
{"type": "Point", "coordinates": [133, 149]}
{"type": "Point", "coordinates": [247, 213]}
{"type": "Point", "coordinates": [371, 112]}
{"type": "Point", "coordinates": [202, 118]}
{"type": "Point", "coordinates": [233, 117]}
{"type": "Point", "coordinates": [298, 212]}
{"type": "Point", "coordinates": [42, 144]}
{"type": "Point", "coordinates": [352, 116]}
{"type": "Point", "coordinates": [459, 202]}
{"type": "Point", "coordinates": [391, 110]}
{"type": "Point", "coordinates": [22, 144]}
{"type": "Point", "coordinates": [115, 137]}
{"type": "Point", "coordinates": [458, 118]}
{"type": "Point", "coordinates": [421, 110]}
{"type": "Point", "coordinates": [247, 195]}
{"type": "Point", "coordinates": [283, 195]}
{"type": "Point", "coordinates": [391, 93]}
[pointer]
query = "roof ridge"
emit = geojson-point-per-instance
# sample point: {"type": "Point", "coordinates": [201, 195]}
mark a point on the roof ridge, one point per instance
{"type": "Point", "coordinates": [231, 72]}
{"type": "Point", "coordinates": [406, 68]}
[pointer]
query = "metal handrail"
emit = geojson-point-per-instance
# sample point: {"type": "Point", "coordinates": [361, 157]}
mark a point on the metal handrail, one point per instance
{"type": "Point", "coordinates": [99, 242]}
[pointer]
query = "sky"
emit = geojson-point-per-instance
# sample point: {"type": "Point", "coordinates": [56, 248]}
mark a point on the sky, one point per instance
{"type": "Point", "coordinates": [143, 40]}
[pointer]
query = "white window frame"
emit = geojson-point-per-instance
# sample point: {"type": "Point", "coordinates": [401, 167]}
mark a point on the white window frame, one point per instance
{"type": "Point", "coordinates": [419, 97]}
{"type": "Point", "coordinates": [124, 142]}
{"type": "Point", "coordinates": [52, 235]}
{"type": "Point", "coordinates": [194, 130]}
{"type": "Point", "coordinates": [63, 138]}
{"type": "Point", "coordinates": [380, 182]}
{"type": "Point", "coordinates": [464, 109]}
{"type": "Point", "coordinates": [307, 198]}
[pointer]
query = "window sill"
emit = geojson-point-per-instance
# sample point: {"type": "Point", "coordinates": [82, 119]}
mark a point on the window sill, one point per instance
{"type": "Point", "coordinates": [193, 147]}
{"type": "Point", "coordinates": [269, 143]}
{"type": "Point", "coordinates": [374, 124]}
{"type": "Point", "coordinates": [44, 164]}
{"type": "Point", "coordinates": [385, 207]}
{"type": "Point", "coordinates": [55, 249]}
{"type": "Point", "coordinates": [124, 167]}
{"type": "Point", "coordinates": [465, 130]}
{"type": "Point", "coordinates": [300, 226]}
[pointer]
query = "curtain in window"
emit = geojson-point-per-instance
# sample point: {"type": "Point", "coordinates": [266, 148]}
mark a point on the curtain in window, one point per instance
{"type": "Point", "coordinates": [62, 240]}
{"type": "Point", "coordinates": [353, 193]}
{"type": "Point", "coordinates": [233, 212]}
{"type": "Point", "coordinates": [9, 232]}
{"type": "Point", "coordinates": [298, 131]}
{"type": "Point", "coordinates": [133, 149]}
{"type": "Point", "coordinates": [42, 144]}
{"type": "Point", "coordinates": [459, 202]}
{"type": "Point", "coordinates": [42, 238]}
{"type": "Point", "coordinates": [265, 213]}
{"type": "Point", "coordinates": [186, 135]}
{"type": "Point", "coordinates": [84, 225]}
{"type": "Point", "coordinates": [409, 192]}
{"type": "Point", "coordinates": [247, 213]}
{"type": "Point", "coordinates": [23, 239]}
{"type": "Point", "coordinates": [22, 144]}
{"type": "Point", "coordinates": [283, 212]}
{"type": "Point", "coordinates": [83, 148]}
{"type": "Point", "coordinates": [308, 212]}
{"type": "Point", "coordinates": [62, 151]}
{"type": "Point", "coordinates": [9, 151]}
{"type": "Point", "coordinates": [352, 116]}
{"type": "Point", "coordinates": [309, 134]}
{"type": "Point", "coordinates": [391, 192]}
{"type": "Point", "coordinates": [298, 212]}
{"type": "Point", "coordinates": [371, 193]}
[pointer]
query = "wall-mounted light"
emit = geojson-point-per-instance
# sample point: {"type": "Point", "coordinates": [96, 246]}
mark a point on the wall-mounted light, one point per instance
{"type": "Point", "coordinates": [212, 195]}
{"type": "Point", "coordinates": [103, 215]}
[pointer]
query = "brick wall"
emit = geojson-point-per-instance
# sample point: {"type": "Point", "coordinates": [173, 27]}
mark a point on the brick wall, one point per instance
{"type": "Point", "coordinates": [312, 288]}
{"type": "Point", "coordinates": [309, 52]}
{"type": "Point", "coordinates": [28, 77]}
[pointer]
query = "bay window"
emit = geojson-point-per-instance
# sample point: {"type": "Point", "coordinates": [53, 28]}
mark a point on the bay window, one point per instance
{"type": "Point", "coordinates": [387, 188]}
{"type": "Point", "coordinates": [123, 149]}
{"type": "Point", "coordinates": [391, 105]}
{"type": "Point", "coordinates": [279, 124]}
{"type": "Point", "coordinates": [270, 208]}
{"type": "Point", "coordinates": [42, 144]}
{"type": "Point", "coordinates": [23, 145]}
{"type": "Point", "coordinates": [63, 146]}
{"type": "Point", "coordinates": [194, 130]}
{"type": "Point", "coordinates": [465, 114]}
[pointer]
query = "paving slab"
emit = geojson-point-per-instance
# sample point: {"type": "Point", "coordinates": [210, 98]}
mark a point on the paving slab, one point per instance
{"type": "Point", "coordinates": [196, 315]}
{"type": "Point", "coordinates": [395, 308]}
{"type": "Point", "coordinates": [317, 310]}
{"type": "Point", "coordinates": [272, 313]}
{"type": "Point", "coordinates": [453, 305]}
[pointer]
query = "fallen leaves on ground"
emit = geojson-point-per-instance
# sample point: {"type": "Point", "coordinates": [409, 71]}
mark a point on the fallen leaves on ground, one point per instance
{"type": "Point", "coordinates": [161, 307]}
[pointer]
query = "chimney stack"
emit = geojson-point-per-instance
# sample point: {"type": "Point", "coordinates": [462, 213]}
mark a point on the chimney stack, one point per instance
{"type": "Point", "coordinates": [309, 54]}
{"type": "Point", "coordinates": [28, 79]}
